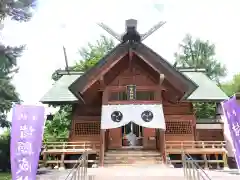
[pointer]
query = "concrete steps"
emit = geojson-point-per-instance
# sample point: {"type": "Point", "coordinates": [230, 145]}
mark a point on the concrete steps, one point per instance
{"type": "Point", "coordinates": [131, 157]}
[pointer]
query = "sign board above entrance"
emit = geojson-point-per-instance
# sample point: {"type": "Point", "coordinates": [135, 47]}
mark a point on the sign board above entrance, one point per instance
{"type": "Point", "coordinates": [131, 92]}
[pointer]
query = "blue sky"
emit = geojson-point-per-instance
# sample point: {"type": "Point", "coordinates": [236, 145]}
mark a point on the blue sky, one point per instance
{"type": "Point", "coordinates": [213, 20]}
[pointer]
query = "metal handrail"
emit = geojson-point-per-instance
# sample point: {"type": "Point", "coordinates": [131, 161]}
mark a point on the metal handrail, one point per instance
{"type": "Point", "coordinates": [192, 171]}
{"type": "Point", "coordinates": [79, 170]}
{"type": "Point", "coordinates": [198, 167]}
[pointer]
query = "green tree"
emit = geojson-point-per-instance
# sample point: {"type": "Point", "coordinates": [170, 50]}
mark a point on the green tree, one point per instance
{"type": "Point", "coordinates": [232, 86]}
{"type": "Point", "coordinates": [93, 53]}
{"type": "Point", "coordinates": [200, 54]}
{"type": "Point", "coordinates": [57, 129]}
{"type": "Point", "coordinates": [5, 150]}
{"type": "Point", "coordinates": [20, 11]}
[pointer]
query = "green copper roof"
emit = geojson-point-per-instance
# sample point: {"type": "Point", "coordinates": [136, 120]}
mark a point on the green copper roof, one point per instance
{"type": "Point", "coordinates": [59, 91]}
{"type": "Point", "coordinates": [207, 89]}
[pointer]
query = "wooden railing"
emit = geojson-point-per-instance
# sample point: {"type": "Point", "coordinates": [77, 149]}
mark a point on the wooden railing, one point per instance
{"type": "Point", "coordinates": [203, 145]}
{"type": "Point", "coordinates": [51, 151]}
{"type": "Point", "coordinates": [205, 148]}
{"type": "Point", "coordinates": [71, 147]}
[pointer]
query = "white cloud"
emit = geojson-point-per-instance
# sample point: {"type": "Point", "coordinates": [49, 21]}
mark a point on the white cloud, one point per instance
{"type": "Point", "coordinates": [212, 20]}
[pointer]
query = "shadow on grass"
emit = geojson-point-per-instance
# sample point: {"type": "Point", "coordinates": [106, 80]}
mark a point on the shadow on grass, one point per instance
{"type": "Point", "coordinates": [5, 176]}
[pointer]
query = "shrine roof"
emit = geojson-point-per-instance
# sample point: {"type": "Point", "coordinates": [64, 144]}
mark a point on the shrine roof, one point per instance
{"type": "Point", "coordinates": [59, 92]}
{"type": "Point", "coordinates": [161, 65]}
{"type": "Point", "coordinates": [207, 88]}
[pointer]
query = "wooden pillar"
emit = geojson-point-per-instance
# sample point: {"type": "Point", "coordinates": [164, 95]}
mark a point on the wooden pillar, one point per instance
{"type": "Point", "coordinates": [205, 161]}
{"type": "Point", "coordinates": [162, 145]}
{"type": "Point", "coordinates": [216, 157]}
{"type": "Point", "coordinates": [62, 160]}
{"type": "Point", "coordinates": [225, 164]}
{"type": "Point", "coordinates": [45, 159]}
{"type": "Point", "coordinates": [102, 147]}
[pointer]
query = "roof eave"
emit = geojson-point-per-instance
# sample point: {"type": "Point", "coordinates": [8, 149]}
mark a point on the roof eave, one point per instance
{"type": "Point", "coordinates": [205, 100]}
{"type": "Point", "coordinates": [191, 85]}
{"type": "Point", "coordinates": [59, 102]}
{"type": "Point", "coordinates": [74, 87]}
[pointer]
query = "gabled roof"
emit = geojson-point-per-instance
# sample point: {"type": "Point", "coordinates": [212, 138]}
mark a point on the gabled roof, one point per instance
{"type": "Point", "coordinates": [166, 68]}
{"type": "Point", "coordinates": [59, 92]}
{"type": "Point", "coordinates": [207, 89]}
{"type": "Point", "coordinates": [184, 84]}
{"type": "Point", "coordinates": [80, 82]}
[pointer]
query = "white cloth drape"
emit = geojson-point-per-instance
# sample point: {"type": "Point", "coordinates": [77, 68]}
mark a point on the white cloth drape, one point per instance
{"type": "Point", "coordinates": [132, 113]}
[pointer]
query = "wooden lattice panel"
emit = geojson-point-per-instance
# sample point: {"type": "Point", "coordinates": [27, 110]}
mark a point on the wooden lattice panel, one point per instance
{"type": "Point", "coordinates": [87, 128]}
{"type": "Point", "coordinates": [179, 127]}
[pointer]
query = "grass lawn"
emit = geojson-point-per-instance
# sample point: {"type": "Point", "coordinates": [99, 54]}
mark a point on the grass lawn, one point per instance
{"type": "Point", "coordinates": [5, 176]}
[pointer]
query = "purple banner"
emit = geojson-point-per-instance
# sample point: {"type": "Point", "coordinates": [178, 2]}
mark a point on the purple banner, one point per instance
{"type": "Point", "coordinates": [26, 141]}
{"type": "Point", "coordinates": [231, 110]}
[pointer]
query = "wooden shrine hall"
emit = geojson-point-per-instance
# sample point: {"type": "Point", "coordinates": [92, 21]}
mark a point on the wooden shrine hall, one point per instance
{"type": "Point", "coordinates": [134, 102]}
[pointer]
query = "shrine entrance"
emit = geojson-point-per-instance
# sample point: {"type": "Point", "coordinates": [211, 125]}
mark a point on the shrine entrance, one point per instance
{"type": "Point", "coordinates": [132, 135]}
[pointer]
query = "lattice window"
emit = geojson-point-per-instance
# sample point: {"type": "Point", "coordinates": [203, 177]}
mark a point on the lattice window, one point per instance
{"type": "Point", "coordinates": [88, 128]}
{"type": "Point", "coordinates": [179, 127]}
{"type": "Point", "coordinates": [118, 96]}
{"type": "Point", "coordinates": [145, 95]}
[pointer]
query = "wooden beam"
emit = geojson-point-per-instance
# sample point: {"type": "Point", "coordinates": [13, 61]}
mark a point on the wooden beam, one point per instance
{"type": "Point", "coordinates": [130, 57]}
{"type": "Point", "coordinates": [161, 79]}
{"type": "Point", "coordinates": [101, 73]}
{"type": "Point", "coordinates": [102, 83]}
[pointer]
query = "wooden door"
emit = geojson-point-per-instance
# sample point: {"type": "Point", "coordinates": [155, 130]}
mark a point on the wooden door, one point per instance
{"type": "Point", "coordinates": [115, 138]}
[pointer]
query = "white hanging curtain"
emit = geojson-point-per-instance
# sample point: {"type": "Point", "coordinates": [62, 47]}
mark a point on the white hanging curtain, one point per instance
{"type": "Point", "coordinates": [150, 116]}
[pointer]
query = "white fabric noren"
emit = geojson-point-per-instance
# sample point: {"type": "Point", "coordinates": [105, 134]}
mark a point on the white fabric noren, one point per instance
{"type": "Point", "coordinates": [132, 113]}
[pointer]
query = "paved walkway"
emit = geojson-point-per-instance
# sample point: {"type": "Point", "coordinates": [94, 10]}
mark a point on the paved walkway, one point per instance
{"type": "Point", "coordinates": [151, 172]}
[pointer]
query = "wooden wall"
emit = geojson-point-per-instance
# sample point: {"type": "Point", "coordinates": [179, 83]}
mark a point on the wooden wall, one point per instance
{"type": "Point", "coordinates": [209, 135]}
{"type": "Point", "coordinates": [180, 121]}
{"type": "Point", "coordinates": [85, 124]}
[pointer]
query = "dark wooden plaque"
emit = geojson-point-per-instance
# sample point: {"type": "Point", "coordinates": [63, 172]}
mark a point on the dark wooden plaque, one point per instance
{"type": "Point", "coordinates": [131, 92]}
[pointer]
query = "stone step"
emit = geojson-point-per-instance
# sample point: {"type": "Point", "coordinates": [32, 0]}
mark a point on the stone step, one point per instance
{"type": "Point", "coordinates": [133, 151]}
{"type": "Point", "coordinates": [132, 158]}
{"type": "Point", "coordinates": [109, 161]}
{"type": "Point", "coordinates": [132, 155]}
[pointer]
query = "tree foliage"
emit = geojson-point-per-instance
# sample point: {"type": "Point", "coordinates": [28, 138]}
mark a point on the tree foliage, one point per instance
{"type": "Point", "coordinates": [5, 150]}
{"type": "Point", "coordinates": [58, 128]}
{"type": "Point", "coordinates": [233, 86]}
{"type": "Point", "coordinates": [91, 54]}
{"type": "Point", "coordinates": [8, 94]}
{"type": "Point", "coordinates": [205, 110]}
{"type": "Point", "coordinates": [201, 54]}
{"type": "Point", "coordinates": [20, 11]}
